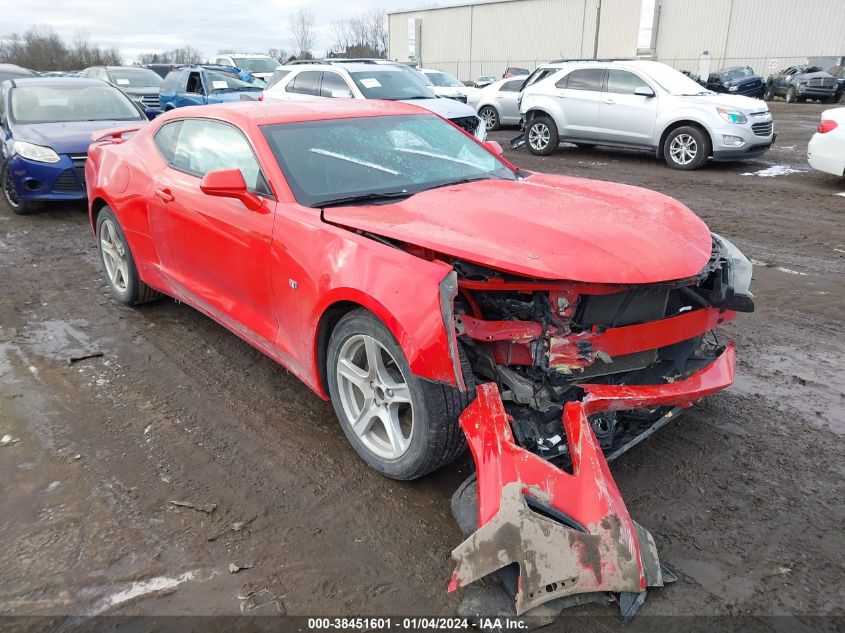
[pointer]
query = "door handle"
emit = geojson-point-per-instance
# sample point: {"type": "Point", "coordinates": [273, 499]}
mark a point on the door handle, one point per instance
{"type": "Point", "coordinates": [609, 101]}
{"type": "Point", "coordinates": [165, 195]}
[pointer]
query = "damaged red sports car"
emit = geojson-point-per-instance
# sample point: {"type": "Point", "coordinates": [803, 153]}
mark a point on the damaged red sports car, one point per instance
{"type": "Point", "coordinates": [395, 265]}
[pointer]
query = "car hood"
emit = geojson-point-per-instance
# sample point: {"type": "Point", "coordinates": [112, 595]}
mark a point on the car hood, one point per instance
{"type": "Point", "coordinates": [729, 101]}
{"type": "Point", "coordinates": [150, 91]}
{"type": "Point", "coordinates": [548, 227]}
{"type": "Point", "coordinates": [447, 108]}
{"type": "Point", "coordinates": [67, 138]}
{"type": "Point", "coordinates": [816, 75]}
{"type": "Point", "coordinates": [744, 80]}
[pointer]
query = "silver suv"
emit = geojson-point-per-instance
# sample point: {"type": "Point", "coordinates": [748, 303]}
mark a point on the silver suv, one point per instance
{"type": "Point", "coordinates": [642, 105]}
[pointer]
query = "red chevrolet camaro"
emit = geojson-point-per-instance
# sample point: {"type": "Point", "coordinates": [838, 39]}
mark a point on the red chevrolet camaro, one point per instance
{"type": "Point", "coordinates": [393, 263]}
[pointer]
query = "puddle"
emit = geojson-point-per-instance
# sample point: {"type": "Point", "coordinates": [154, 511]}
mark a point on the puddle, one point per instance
{"type": "Point", "coordinates": [59, 340]}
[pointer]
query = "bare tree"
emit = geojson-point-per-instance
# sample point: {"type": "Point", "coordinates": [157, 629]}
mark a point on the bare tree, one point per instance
{"type": "Point", "coordinates": [302, 27]}
{"type": "Point", "coordinates": [42, 49]}
{"type": "Point", "coordinates": [362, 36]}
{"type": "Point", "coordinates": [183, 55]}
{"type": "Point", "coordinates": [279, 54]}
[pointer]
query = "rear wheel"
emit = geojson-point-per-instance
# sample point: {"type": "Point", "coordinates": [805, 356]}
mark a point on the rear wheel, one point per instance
{"type": "Point", "coordinates": [686, 148]}
{"type": "Point", "coordinates": [769, 95]}
{"type": "Point", "coordinates": [15, 202]}
{"type": "Point", "coordinates": [118, 263]}
{"type": "Point", "coordinates": [791, 95]}
{"type": "Point", "coordinates": [490, 116]}
{"type": "Point", "coordinates": [541, 135]}
{"type": "Point", "coordinates": [401, 425]}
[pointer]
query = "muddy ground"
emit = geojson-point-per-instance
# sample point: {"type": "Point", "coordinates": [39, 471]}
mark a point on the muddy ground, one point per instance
{"type": "Point", "coordinates": [744, 494]}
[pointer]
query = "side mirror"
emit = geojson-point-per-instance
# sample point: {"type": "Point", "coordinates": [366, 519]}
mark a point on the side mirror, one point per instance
{"type": "Point", "coordinates": [644, 92]}
{"type": "Point", "coordinates": [341, 94]}
{"type": "Point", "coordinates": [152, 113]}
{"type": "Point", "coordinates": [230, 183]}
{"type": "Point", "coordinates": [494, 148]}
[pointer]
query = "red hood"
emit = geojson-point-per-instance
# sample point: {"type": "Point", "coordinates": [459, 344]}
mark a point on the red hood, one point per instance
{"type": "Point", "coordinates": [549, 227]}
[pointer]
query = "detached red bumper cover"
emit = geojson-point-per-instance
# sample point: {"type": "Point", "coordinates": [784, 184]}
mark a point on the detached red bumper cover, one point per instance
{"type": "Point", "coordinates": [569, 533]}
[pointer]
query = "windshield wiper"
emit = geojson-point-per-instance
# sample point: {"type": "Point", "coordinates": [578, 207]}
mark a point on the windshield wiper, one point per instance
{"type": "Point", "coordinates": [376, 196]}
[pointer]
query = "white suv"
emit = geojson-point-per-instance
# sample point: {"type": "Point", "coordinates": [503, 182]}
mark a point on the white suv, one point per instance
{"type": "Point", "coordinates": [366, 80]}
{"type": "Point", "coordinates": [642, 105]}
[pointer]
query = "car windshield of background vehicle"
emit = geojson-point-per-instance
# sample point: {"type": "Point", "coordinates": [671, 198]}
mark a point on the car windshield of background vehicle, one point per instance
{"type": "Point", "coordinates": [218, 82]}
{"type": "Point", "coordinates": [393, 85]}
{"type": "Point", "coordinates": [135, 78]}
{"type": "Point", "coordinates": [377, 158]}
{"type": "Point", "coordinates": [675, 82]}
{"type": "Point", "coordinates": [256, 64]}
{"type": "Point", "coordinates": [68, 104]}
{"type": "Point", "coordinates": [444, 80]}
{"type": "Point", "coordinates": [738, 73]}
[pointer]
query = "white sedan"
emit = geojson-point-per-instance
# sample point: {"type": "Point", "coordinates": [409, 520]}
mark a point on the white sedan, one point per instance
{"type": "Point", "coordinates": [498, 103]}
{"type": "Point", "coordinates": [826, 151]}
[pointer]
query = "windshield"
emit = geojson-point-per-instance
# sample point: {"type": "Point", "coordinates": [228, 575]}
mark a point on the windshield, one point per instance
{"type": "Point", "coordinates": [393, 85]}
{"type": "Point", "coordinates": [69, 103]}
{"type": "Point", "coordinates": [256, 64]}
{"type": "Point", "coordinates": [673, 81]}
{"type": "Point", "coordinates": [217, 81]}
{"type": "Point", "coordinates": [332, 161]}
{"type": "Point", "coordinates": [444, 80]}
{"type": "Point", "coordinates": [134, 78]}
{"type": "Point", "coordinates": [737, 73]}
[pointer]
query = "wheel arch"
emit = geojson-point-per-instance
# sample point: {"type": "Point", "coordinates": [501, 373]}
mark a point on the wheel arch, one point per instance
{"type": "Point", "coordinates": [681, 123]}
{"type": "Point", "coordinates": [97, 205]}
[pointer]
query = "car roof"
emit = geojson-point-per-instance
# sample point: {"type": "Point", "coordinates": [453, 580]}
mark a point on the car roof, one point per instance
{"type": "Point", "coordinates": [348, 66]}
{"type": "Point", "coordinates": [268, 113]}
{"type": "Point", "coordinates": [52, 81]}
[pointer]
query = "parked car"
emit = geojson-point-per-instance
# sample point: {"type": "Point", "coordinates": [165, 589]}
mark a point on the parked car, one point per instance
{"type": "Point", "coordinates": [838, 72]}
{"type": "Point", "coordinates": [196, 85]}
{"type": "Point", "coordinates": [445, 85]}
{"type": "Point", "coordinates": [799, 83]}
{"type": "Point", "coordinates": [513, 71]}
{"type": "Point", "coordinates": [13, 71]}
{"type": "Point", "coordinates": [139, 83]}
{"type": "Point", "coordinates": [642, 105]}
{"type": "Point", "coordinates": [410, 263]}
{"type": "Point", "coordinates": [257, 65]}
{"type": "Point", "coordinates": [498, 103]}
{"type": "Point", "coordinates": [46, 126]}
{"type": "Point", "coordinates": [826, 150]}
{"type": "Point", "coordinates": [359, 80]}
{"type": "Point", "coordinates": [484, 80]}
{"type": "Point", "coordinates": [737, 80]}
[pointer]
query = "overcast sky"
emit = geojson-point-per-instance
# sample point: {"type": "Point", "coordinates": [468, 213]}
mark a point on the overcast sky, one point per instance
{"type": "Point", "coordinates": [141, 26]}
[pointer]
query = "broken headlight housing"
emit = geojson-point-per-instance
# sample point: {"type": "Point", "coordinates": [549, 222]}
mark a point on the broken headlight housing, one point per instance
{"type": "Point", "coordinates": [734, 288]}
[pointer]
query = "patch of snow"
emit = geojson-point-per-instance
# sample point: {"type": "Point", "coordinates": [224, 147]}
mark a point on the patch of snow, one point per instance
{"type": "Point", "coordinates": [840, 194]}
{"type": "Point", "coordinates": [143, 587]}
{"type": "Point", "coordinates": [771, 172]}
{"type": "Point", "coordinates": [790, 271]}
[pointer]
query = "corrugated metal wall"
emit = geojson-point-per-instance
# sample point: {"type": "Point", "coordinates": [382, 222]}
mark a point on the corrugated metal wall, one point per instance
{"type": "Point", "coordinates": [472, 40]}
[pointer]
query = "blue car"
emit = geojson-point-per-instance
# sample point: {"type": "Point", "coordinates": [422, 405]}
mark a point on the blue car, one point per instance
{"type": "Point", "coordinates": [45, 130]}
{"type": "Point", "coordinates": [201, 85]}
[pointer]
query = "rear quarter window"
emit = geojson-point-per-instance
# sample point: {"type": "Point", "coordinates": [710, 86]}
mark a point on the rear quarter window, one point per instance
{"type": "Point", "coordinates": [166, 139]}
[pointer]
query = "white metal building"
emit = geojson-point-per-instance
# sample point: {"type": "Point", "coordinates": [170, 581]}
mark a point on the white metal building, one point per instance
{"type": "Point", "coordinates": [470, 40]}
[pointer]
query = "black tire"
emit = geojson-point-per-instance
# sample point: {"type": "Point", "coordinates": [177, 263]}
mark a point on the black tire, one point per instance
{"type": "Point", "coordinates": [791, 95]}
{"type": "Point", "coordinates": [539, 128]}
{"type": "Point", "coordinates": [585, 145]}
{"type": "Point", "coordinates": [701, 147]}
{"type": "Point", "coordinates": [490, 116]}
{"type": "Point", "coordinates": [769, 94]}
{"type": "Point", "coordinates": [436, 437]}
{"type": "Point", "coordinates": [135, 291]}
{"type": "Point", "coordinates": [10, 194]}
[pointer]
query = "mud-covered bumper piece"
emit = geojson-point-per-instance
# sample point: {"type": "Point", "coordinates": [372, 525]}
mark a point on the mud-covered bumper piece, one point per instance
{"type": "Point", "coordinates": [569, 533]}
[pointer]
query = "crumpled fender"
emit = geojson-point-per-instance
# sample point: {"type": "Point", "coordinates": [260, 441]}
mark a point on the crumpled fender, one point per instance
{"type": "Point", "coordinates": [601, 548]}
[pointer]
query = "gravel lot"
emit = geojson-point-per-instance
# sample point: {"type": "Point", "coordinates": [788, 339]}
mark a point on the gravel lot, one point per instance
{"type": "Point", "coordinates": [743, 494]}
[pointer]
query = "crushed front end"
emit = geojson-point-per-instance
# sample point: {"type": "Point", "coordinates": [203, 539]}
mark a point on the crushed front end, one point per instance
{"type": "Point", "coordinates": [570, 376]}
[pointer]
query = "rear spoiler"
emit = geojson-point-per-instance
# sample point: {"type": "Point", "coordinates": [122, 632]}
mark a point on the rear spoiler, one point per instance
{"type": "Point", "coordinates": [114, 135]}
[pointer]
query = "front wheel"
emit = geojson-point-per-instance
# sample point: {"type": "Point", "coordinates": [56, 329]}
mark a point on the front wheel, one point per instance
{"type": "Point", "coordinates": [769, 95]}
{"type": "Point", "coordinates": [686, 148]}
{"type": "Point", "coordinates": [401, 425]}
{"type": "Point", "coordinates": [541, 136]}
{"type": "Point", "coordinates": [18, 205]}
{"type": "Point", "coordinates": [791, 95]}
{"type": "Point", "coordinates": [490, 117]}
{"type": "Point", "coordinates": [118, 263]}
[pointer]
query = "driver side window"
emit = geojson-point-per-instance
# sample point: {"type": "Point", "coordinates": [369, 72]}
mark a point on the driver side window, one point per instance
{"type": "Point", "coordinates": [194, 85]}
{"type": "Point", "coordinates": [201, 146]}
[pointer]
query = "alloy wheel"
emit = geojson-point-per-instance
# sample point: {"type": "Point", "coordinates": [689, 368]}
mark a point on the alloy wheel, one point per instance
{"type": "Point", "coordinates": [375, 397]}
{"type": "Point", "coordinates": [115, 257]}
{"type": "Point", "coordinates": [9, 191]}
{"type": "Point", "coordinates": [489, 117]}
{"type": "Point", "coordinates": [683, 149]}
{"type": "Point", "coordinates": [539, 136]}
